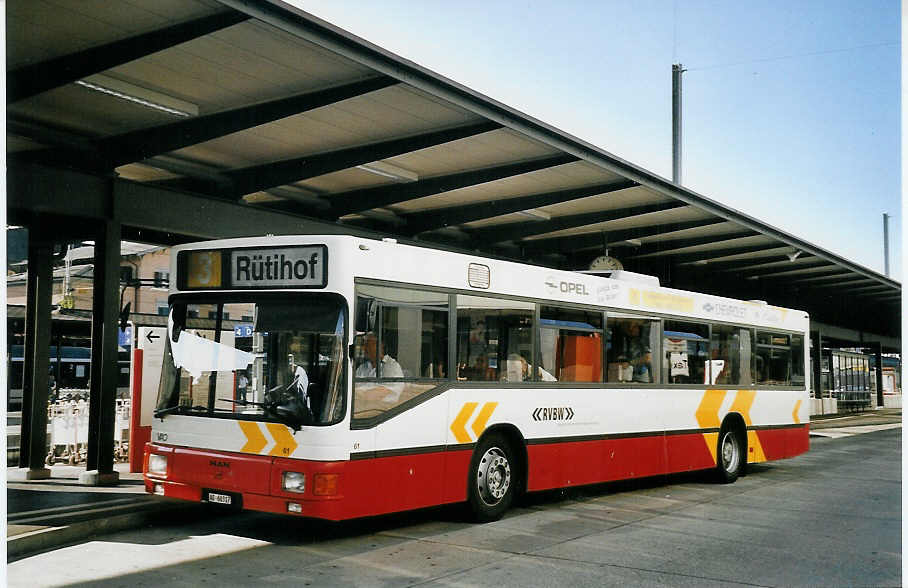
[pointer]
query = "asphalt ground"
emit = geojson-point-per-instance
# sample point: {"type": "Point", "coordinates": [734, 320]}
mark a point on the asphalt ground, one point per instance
{"type": "Point", "coordinates": [43, 515]}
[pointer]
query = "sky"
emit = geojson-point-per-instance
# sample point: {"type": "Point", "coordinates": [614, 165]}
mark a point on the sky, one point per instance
{"type": "Point", "coordinates": [791, 109]}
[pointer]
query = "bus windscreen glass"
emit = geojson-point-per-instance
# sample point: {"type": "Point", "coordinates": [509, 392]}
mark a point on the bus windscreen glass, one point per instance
{"type": "Point", "coordinates": [259, 358]}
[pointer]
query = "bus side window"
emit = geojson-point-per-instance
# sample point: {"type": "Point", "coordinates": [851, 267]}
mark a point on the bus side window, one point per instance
{"type": "Point", "coordinates": [492, 335]}
{"type": "Point", "coordinates": [729, 353]}
{"type": "Point", "coordinates": [570, 347]}
{"type": "Point", "coordinates": [774, 358]}
{"type": "Point", "coordinates": [629, 351]}
{"type": "Point", "coordinates": [400, 346]}
{"type": "Point", "coordinates": [685, 353]}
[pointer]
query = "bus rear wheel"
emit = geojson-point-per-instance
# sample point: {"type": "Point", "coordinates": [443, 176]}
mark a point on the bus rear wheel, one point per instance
{"type": "Point", "coordinates": [492, 479]}
{"type": "Point", "coordinates": [730, 455]}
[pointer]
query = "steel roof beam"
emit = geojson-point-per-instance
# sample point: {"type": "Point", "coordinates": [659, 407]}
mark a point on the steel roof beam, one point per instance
{"type": "Point", "coordinates": [144, 143]}
{"type": "Point", "coordinates": [601, 238]}
{"type": "Point", "coordinates": [519, 230]}
{"type": "Point", "coordinates": [817, 269]}
{"type": "Point", "coordinates": [841, 283]}
{"type": "Point", "coordinates": [679, 258]}
{"type": "Point", "coordinates": [664, 248]}
{"type": "Point", "coordinates": [755, 267]}
{"type": "Point", "coordinates": [874, 287]}
{"type": "Point", "coordinates": [359, 200]}
{"type": "Point", "coordinates": [835, 278]}
{"type": "Point", "coordinates": [257, 178]}
{"type": "Point", "coordinates": [29, 80]}
{"type": "Point", "coordinates": [881, 296]}
{"type": "Point", "coordinates": [260, 177]}
{"type": "Point", "coordinates": [824, 273]}
{"type": "Point", "coordinates": [420, 222]}
{"type": "Point", "coordinates": [110, 152]}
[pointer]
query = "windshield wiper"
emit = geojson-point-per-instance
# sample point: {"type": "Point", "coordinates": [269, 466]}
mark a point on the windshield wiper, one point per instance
{"type": "Point", "coordinates": [243, 402]}
{"type": "Point", "coordinates": [179, 408]}
{"type": "Point", "coordinates": [170, 409]}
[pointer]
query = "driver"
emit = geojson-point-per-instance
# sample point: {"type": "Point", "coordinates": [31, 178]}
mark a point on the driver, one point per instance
{"type": "Point", "coordinates": [300, 385]}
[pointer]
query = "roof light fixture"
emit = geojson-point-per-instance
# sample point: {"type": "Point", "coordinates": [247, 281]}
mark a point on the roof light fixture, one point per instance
{"type": "Point", "coordinates": [139, 95]}
{"type": "Point", "coordinates": [535, 214]}
{"type": "Point", "coordinates": [386, 170]}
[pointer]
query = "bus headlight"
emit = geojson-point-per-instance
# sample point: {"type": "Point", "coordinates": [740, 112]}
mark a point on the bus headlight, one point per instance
{"type": "Point", "coordinates": [293, 482]}
{"type": "Point", "coordinates": [157, 464]}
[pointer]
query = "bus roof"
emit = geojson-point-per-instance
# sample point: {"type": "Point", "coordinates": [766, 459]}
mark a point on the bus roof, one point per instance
{"type": "Point", "coordinates": [354, 258]}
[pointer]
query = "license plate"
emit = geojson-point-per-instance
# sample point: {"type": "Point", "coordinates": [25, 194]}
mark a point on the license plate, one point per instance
{"type": "Point", "coordinates": [220, 498]}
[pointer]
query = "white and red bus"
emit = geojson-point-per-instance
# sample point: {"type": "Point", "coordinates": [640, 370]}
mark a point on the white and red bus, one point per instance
{"type": "Point", "coordinates": [364, 377]}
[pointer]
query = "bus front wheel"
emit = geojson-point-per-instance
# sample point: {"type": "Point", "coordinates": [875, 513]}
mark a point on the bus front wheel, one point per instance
{"type": "Point", "coordinates": [492, 478]}
{"type": "Point", "coordinates": [730, 455]}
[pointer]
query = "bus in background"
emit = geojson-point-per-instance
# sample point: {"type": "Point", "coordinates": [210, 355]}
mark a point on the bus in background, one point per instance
{"type": "Point", "coordinates": [384, 377]}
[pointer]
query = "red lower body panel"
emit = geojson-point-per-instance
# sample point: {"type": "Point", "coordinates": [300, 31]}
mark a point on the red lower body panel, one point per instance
{"type": "Point", "coordinates": [784, 442]}
{"type": "Point", "coordinates": [363, 487]}
{"type": "Point", "coordinates": [367, 487]}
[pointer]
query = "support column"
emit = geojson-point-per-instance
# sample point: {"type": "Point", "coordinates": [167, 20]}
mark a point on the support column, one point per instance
{"type": "Point", "coordinates": [28, 356]}
{"type": "Point", "coordinates": [817, 339]}
{"type": "Point", "coordinates": [33, 432]}
{"type": "Point", "coordinates": [878, 366]}
{"type": "Point", "coordinates": [104, 326]}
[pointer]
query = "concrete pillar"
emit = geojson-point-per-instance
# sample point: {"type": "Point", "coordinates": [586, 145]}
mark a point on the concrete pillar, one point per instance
{"type": "Point", "coordinates": [33, 434]}
{"type": "Point", "coordinates": [817, 339]}
{"type": "Point", "coordinates": [878, 367]}
{"type": "Point", "coordinates": [104, 327]}
{"type": "Point", "coordinates": [27, 357]}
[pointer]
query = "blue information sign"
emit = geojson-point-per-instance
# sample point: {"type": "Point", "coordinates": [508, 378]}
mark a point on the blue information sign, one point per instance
{"type": "Point", "coordinates": [124, 336]}
{"type": "Point", "coordinates": [242, 330]}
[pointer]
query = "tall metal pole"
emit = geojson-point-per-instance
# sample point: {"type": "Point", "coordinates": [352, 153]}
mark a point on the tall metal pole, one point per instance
{"type": "Point", "coordinates": [886, 242]}
{"type": "Point", "coordinates": [677, 70]}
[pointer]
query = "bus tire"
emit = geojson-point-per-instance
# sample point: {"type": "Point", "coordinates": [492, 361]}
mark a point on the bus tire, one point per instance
{"type": "Point", "coordinates": [493, 478]}
{"type": "Point", "coordinates": [730, 454]}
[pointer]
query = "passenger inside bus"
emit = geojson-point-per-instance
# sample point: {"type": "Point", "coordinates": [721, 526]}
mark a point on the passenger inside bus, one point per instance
{"type": "Point", "coordinates": [390, 368]}
{"type": "Point", "coordinates": [515, 359]}
{"type": "Point", "coordinates": [630, 357]}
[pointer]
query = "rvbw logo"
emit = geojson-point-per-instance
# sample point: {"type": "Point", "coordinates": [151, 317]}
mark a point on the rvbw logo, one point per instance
{"type": "Point", "coordinates": [553, 413]}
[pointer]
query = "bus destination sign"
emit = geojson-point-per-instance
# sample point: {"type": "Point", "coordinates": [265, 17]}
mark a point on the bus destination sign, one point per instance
{"type": "Point", "coordinates": [286, 267]}
{"type": "Point", "coordinates": [271, 267]}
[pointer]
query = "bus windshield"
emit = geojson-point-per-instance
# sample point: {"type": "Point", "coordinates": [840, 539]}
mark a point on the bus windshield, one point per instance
{"type": "Point", "coordinates": [256, 358]}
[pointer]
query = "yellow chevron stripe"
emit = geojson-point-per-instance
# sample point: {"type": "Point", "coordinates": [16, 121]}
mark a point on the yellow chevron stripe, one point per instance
{"type": "Point", "coordinates": [708, 417]}
{"type": "Point", "coordinates": [255, 440]}
{"type": "Point", "coordinates": [754, 448]}
{"type": "Point", "coordinates": [742, 404]}
{"type": "Point", "coordinates": [708, 412]}
{"type": "Point", "coordinates": [284, 443]}
{"type": "Point", "coordinates": [479, 425]}
{"type": "Point", "coordinates": [744, 401]}
{"type": "Point", "coordinates": [460, 422]}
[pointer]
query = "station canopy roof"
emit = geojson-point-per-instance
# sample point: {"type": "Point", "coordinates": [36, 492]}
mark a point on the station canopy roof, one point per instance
{"type": "Point", "coordinates": [266, 108]}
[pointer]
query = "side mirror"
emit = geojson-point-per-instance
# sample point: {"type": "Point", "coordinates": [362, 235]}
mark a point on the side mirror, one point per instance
{"type": "Point", "coordinates": [366, 312]}
{"type": "Point", "coordinates": [178, 316]}
{"type": "Point", "coordinates": [124, 316]}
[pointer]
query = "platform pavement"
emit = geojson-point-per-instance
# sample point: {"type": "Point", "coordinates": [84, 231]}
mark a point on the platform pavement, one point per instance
{"type": "Point", "coordinates": [46, 514]}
